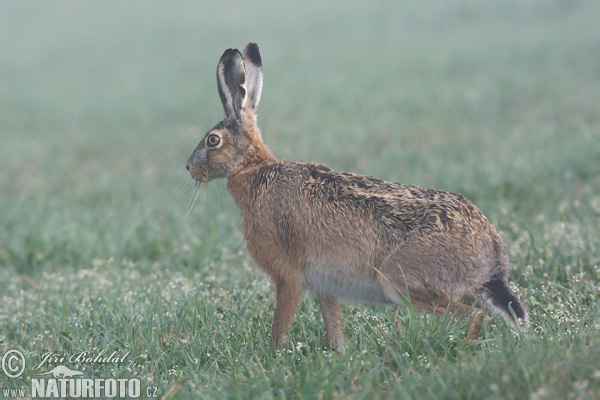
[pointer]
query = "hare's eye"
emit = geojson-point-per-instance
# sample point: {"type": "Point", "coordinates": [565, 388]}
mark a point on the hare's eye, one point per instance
{"type": "Point", "coordinates": [213, 140]}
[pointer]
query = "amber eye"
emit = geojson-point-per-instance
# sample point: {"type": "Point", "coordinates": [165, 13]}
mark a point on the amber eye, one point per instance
{"type": "Point", "coordinates": [213, 140]}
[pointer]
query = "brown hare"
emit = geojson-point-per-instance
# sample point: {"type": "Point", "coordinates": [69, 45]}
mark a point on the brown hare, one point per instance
{"type": "Point", "coordinates": [343, 235]}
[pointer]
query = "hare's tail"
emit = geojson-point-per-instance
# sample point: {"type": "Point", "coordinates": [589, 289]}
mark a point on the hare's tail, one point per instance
{"type": "Point", "coordinates": [498, 295]}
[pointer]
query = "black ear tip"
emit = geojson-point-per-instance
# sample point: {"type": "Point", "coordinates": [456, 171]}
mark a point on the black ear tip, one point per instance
{"type": "Point", "coordinates": [252, 53]}
{"type": "Point", "coordinates": [229, 53]}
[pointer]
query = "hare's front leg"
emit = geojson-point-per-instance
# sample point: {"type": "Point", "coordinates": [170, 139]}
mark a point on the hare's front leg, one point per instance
{"type": "Point", "coordinates": [333, 321]}
{"type": "Point", "coordinates": [288, 296]}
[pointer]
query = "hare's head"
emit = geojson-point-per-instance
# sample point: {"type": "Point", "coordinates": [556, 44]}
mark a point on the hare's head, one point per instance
{"type": "Point", "coordinates": [234, 143]}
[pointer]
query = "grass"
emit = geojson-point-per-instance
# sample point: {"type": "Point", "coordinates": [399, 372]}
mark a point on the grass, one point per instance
{"type": "Point", "coordinates": [101, 104]}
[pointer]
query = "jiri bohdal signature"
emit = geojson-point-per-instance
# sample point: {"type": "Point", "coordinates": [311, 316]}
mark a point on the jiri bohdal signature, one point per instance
{"type": "Point", "coordinates": [82, 358]}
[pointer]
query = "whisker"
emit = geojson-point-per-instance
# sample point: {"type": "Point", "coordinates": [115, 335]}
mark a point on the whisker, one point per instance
{"type": "Point", "coordinates": [193, 200]}
{"type": "Point", "coordinates": [206, 187]}
{"type": "Point", "coordinates": [185, 187]}
{"type": "Point", "coordinates": [220, 195]}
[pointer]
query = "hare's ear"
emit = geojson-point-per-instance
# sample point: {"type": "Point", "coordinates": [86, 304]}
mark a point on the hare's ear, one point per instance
{"type": "Point", "coordinates": [254, 75]}
{"type": "Point", "coordinates": [231, 81]}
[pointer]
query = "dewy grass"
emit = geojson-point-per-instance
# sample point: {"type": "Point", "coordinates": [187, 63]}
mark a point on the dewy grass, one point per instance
{"type": "Point", "coordinates": [98, 115]}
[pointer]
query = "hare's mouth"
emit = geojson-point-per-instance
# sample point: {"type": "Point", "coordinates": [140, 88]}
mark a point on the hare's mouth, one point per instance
{"type": "Point", "coordinates": [197, 173]}
{"type": "Point", "coordinates": [200, 178]}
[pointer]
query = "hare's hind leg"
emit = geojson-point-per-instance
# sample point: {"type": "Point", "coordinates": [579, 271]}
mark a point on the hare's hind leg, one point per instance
{"type": "Point", "coordinates": [423, 299]}
{"type": "Point", "coordinates": [333, 321]}
{"type": "Point", "coordinates": [463, 311]}
{"type": "Point", "coordinates": [475, 326]}
{"type": "Point", "coordinates": [436, 304]}
{"type": "Point", "coordinates": [288, 297]}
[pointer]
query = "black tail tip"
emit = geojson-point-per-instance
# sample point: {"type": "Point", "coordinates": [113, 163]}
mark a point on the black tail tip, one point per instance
{"type": "Point", "coordinates": [509, 306]}
{"type": "Point", "coordinates": [518, 315]}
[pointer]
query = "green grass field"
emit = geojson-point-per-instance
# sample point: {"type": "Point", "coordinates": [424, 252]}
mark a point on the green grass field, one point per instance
{"type": "Point", "coordinates": [102, 103]}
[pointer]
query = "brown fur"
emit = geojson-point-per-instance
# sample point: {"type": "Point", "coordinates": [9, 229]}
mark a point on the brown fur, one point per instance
{"type": "Point", "coordinates": [346, 235]}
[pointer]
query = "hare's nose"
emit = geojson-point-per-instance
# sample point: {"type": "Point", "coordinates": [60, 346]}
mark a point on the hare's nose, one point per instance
{"type": "Point", "coordinates": [187, 166]}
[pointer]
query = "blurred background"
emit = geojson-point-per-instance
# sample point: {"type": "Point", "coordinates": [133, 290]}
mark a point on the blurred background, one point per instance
{"type": "Point", "coordinates": [102, 103]}
{"type": "Point", "coordinates": [106, 243]}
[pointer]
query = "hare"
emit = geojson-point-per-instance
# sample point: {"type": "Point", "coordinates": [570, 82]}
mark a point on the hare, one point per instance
{"type": "Point", "coordinates": [343, 235]}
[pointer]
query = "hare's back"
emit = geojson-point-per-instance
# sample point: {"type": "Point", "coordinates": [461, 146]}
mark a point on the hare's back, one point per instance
{"type": "Point", "coordinates": [394, 206]}
{"type": "Point", "coordinates": [315, 205]}
{"type": "Point", "coordinates": [316, 194]}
